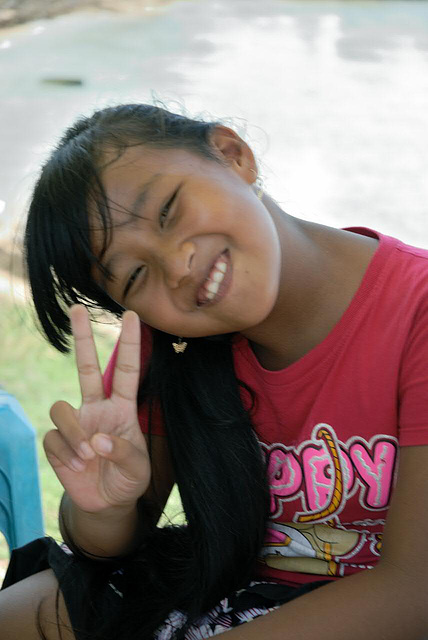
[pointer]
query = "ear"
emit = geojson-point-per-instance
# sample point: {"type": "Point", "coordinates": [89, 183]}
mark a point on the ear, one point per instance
{"type": "Point", "coordinates": [234, 152]}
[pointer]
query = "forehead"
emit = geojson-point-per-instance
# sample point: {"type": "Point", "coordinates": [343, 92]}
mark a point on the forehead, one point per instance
{"type": "Point", "coordinates": [140, 163]}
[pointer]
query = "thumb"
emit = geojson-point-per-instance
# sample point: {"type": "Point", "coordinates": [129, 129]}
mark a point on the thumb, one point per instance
{"type": "Point", "coordinates": [123, 453]}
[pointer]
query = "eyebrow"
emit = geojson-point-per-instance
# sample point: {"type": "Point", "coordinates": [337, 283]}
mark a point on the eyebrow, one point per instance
{"type": "Point", "coordinates": [134, 212]}
{"type": "Point", "coordinates": [141, 198]}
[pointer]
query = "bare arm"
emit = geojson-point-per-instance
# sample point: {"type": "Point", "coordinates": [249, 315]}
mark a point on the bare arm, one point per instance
{"type": "Point", "coordinates": [108, 533]}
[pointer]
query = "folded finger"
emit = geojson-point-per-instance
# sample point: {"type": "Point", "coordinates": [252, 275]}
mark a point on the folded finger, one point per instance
{"type": "Point", "coordinates": [134, 463]}
{"type": "Point", "coordinates": [64, 418]}
{"type": "Point", "coordinates": [58, 452]}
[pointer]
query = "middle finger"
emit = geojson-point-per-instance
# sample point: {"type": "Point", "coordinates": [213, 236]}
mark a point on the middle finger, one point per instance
{"type": "Point", "coordinates": [127, 369]}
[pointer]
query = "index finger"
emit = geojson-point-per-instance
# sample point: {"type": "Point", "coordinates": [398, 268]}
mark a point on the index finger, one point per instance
{"type": "Point", "coordinates": [90, 378]}
{"type": "Point", "coordinates": [126, 377]}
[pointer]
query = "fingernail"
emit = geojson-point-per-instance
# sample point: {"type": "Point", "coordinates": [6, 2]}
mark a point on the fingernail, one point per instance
{"type": "Point", "coordinates": [103, 444]}
{"type": "Point", "coordinates": [77, 464]}
{"type": "Point", "coordinates": [86, 450]}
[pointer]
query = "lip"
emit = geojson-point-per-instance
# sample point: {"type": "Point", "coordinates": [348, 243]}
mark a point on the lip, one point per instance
{"type": "Point", "coordinates": [224, 285]}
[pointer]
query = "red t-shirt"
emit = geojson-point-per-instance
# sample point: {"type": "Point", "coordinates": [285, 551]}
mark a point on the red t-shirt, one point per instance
{"type": "Point", "coordinates": [331, 423]}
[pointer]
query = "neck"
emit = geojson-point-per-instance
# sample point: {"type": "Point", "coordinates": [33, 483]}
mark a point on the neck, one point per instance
{"type": "Point", "coordinates": [321, 270]}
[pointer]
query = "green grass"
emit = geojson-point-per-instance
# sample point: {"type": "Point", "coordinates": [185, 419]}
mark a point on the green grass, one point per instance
{"type": "Point", "coordinates": [37, 375]}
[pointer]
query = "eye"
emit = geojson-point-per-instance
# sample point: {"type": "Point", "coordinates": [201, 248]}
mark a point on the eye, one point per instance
{"type": "Point", "coordinates": [164, 212]}
{"type": "Point", "coordinates": [164, 215]}
{"type": "Point", "coordinates": [132, 279]}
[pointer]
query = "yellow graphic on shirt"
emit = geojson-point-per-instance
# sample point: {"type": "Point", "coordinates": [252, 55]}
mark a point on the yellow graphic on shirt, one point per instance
{"type": "Point", "coordinates": [307, 548]}
{"type": "Point", "coordinates": [337, 493]}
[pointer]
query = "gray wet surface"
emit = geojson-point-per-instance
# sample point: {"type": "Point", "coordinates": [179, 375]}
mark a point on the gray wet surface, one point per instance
{"type": "Point", "coordinates": [333, 96]}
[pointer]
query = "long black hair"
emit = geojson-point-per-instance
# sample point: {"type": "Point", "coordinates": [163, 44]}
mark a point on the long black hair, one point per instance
{"type": "Point", "coordinates": [215, 454]}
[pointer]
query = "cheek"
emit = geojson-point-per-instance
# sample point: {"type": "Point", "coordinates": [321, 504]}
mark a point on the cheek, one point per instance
{"type": "Point", "coordinates": [261, 272]}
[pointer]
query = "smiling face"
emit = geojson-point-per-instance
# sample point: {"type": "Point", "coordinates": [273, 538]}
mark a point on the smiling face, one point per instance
{"type": "Point", "coordinates": [200, 255]}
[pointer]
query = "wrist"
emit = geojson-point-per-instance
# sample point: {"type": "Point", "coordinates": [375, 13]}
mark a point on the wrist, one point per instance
{"type": "Point", "coordinates": [111, 513]}
{"type": "Point", "coordinates": [106, 533]}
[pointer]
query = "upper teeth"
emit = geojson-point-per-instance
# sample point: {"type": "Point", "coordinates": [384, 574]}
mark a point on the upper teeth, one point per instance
{"type": "Point", "coordinates": [215, 279]}
{"type": "Point", "coordinates": [217, 276]}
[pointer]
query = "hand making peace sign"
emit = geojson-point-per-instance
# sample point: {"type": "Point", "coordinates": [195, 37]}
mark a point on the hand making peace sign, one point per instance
{"type": "Point", "coordinates": [94, 477]}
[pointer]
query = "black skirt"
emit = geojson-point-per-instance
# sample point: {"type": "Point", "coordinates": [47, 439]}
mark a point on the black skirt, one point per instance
{"type": "Point", "coordinates": [257, 599]}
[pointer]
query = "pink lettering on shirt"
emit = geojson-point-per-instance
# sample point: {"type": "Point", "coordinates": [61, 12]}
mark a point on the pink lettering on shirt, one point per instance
{"type": "Point", "coordinates": [375, 466]}
{"type": "Point", "coordinates": [324, 472]}
{"type": "Point", "coordinates": [318, 471]}
{"type": "Point", "coordinates": [284, 473]}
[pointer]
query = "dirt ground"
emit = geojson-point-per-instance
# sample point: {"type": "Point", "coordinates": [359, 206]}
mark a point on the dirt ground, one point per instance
{"type": "Point", "coordinates": [14, 12]}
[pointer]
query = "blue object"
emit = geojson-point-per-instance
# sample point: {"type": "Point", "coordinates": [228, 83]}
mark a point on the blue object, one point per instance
{"type": "Point", "coordinates": [21, 517]}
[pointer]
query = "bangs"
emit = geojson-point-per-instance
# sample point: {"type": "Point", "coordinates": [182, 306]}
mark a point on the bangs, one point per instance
{"type": "Point", "coordinates": [59, 256]}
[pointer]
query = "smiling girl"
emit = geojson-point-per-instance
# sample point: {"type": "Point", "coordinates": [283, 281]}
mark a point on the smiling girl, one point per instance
{"type": "Point", "coordinates": [276, 369]}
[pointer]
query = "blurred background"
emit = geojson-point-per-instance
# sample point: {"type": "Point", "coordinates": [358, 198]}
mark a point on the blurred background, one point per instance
{"type": "Point", "coordinates": [331, 95]}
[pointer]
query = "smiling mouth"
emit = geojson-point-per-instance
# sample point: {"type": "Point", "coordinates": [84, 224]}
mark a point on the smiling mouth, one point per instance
{"type": "Point", "coordinates": [216, 284]}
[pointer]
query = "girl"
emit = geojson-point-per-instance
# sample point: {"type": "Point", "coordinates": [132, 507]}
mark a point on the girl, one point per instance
{"type": "Point", "coordinates": [284, 372]}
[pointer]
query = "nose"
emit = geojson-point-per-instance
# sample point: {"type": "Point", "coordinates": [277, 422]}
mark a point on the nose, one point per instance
{"type": "Point", "coordinates": [178, 263]}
